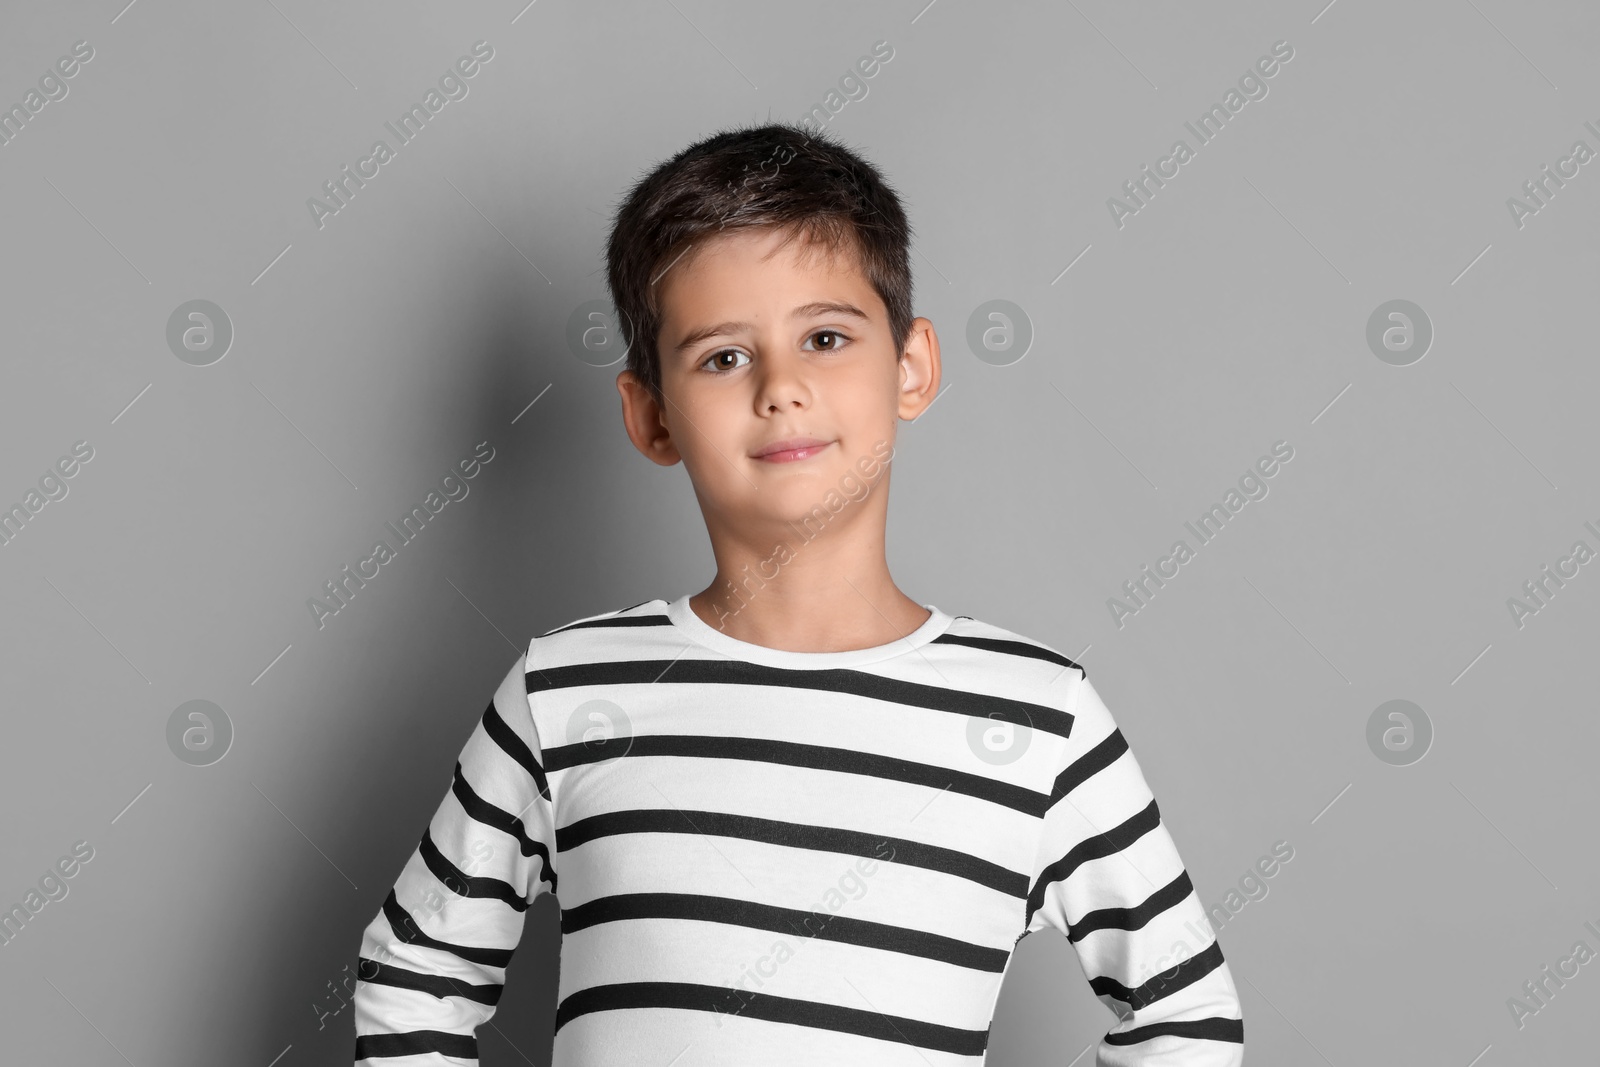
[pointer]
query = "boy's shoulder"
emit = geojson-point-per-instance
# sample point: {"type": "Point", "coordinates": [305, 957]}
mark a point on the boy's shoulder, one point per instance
{"type": "Point", "coordinates": [1041, 683]}
{"type": "Point", "coordinates": [604, 627]}
{"type": "Point", "coordinates": [1006, 646]}
{"type": "Point", "coordinates": [653, 610]}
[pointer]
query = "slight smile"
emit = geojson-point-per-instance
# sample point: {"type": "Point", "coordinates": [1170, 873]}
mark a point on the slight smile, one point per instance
{"type": "Point", "coordinates": [790, 450]}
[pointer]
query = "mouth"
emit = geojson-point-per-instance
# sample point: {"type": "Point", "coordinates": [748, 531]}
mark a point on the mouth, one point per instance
{"type": "Point", "coordinates": [790, 450]}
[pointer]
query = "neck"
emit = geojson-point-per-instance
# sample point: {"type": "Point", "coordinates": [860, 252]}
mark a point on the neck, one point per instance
{"type": "Point", "coordinates": [831, 593]}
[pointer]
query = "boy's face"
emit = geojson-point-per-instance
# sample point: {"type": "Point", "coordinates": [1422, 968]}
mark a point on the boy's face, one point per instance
{"type": "Point", "coordinates": [760, 345]}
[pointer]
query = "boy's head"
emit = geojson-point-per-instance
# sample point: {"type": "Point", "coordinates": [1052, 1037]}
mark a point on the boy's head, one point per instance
{"type": "Point", "coordinates": [762, 278]}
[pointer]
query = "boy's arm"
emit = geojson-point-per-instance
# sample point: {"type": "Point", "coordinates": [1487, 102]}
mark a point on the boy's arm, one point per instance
{"type": "Point", "coordinates": [1109, 877]}
{"type": "Point", "coordinates": [433, 960]}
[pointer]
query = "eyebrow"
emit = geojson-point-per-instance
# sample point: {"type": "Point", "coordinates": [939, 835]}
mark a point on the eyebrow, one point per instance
{"type": "Point", "coordinates": [804, 311]}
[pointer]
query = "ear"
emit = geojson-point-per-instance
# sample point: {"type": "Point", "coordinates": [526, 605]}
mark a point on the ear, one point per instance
{"type": "Point", "coordinates": [919, 370]}
{"type": "Point", "coordinates": [642, 418]}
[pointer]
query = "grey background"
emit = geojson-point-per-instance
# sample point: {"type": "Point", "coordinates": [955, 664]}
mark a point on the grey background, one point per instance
{"type": "Point", "coordinates": [371, 355]}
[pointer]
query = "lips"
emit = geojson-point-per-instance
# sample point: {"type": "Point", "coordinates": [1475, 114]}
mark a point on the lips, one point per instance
{"type": "Point", "coordinates": [790, 449]}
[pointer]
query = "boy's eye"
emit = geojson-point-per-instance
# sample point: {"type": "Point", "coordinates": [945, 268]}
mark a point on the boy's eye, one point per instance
{"type": "Point", "coordinates": [837, 338]}
{"type": "Point", "coordinates": [715, 365]}
{"type": "Point", "coordinates": [719, 368]}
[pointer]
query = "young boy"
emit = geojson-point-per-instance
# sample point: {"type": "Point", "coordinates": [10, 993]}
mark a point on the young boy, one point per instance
{"type": "Point", "coordinates": [797, 817]}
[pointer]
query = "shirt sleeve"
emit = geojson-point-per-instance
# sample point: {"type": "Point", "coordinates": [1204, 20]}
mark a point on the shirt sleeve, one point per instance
{"type": "Point", "coordinates": [1108, 876]}
{"type": "Point", "coordinates": [433, 960]}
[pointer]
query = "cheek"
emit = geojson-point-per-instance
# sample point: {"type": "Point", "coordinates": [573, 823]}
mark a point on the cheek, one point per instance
{"type": "Point", "coordinates": [868, 385]}
{"type": "Point", "coordinates": [711, 433]}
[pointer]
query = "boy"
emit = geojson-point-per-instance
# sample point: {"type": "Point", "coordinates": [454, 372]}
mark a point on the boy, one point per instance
{"type": "Point", "coordinates": [797, 817]}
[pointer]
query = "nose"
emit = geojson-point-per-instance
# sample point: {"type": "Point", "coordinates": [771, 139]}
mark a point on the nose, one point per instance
{"type": "Point", "coordinates": [782, 383]}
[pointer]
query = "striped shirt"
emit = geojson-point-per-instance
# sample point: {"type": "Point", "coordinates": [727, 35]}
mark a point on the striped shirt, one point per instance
{"type": "Point", "coordinates": [782, 858]}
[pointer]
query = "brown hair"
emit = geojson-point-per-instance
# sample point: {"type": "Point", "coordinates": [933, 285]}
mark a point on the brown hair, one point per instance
{"type": "Point", "coordinates": [804, 183]}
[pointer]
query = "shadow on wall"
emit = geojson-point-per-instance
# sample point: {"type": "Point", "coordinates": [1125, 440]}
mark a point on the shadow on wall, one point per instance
{"type": "Point", "coordinates": [399, 695]}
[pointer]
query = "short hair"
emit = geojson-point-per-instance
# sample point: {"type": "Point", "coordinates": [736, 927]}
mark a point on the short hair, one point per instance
{"type": "Point", "coordinates": [804, 183]}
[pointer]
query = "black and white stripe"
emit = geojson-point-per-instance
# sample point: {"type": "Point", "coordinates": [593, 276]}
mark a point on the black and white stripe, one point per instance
{"type": "Point", "coordinates": [791, 857]}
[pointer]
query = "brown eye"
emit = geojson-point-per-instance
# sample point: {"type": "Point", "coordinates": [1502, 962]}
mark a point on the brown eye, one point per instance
{"type": "Point", "coordinates": [837, 342]}
{"type": "Point", "coordinates": [714, 364]}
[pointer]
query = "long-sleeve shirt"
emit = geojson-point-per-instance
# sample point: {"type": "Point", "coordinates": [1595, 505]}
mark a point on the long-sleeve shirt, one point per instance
{"type": "Point", "coordinates": [784, 858]}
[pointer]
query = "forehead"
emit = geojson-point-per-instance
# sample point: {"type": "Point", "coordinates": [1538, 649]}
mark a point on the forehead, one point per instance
{"type": "Point", "coordinates": [750, 264]}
